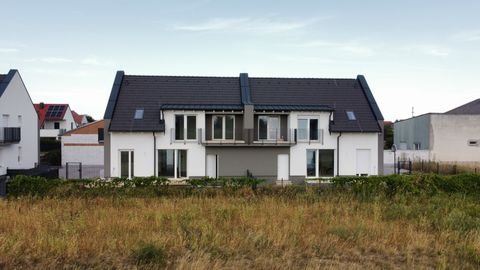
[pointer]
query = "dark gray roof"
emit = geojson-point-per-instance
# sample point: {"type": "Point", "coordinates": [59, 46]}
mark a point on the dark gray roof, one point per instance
{"type": "Point", "coordinates": [472, 107]}
{"type": "Point", "coordinates": [5, 80]}
{"type": "Point", "coordinates": [341, 94]}
{"type": "Point", "coordinates": [153, 93]}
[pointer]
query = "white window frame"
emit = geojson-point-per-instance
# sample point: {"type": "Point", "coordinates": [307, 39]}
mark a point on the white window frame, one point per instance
{"type": "Point", "coordinates": [175, 164]}
{"type": "Point", "coordinates": [224, 127]}
{"type": "Point", "coordinates": [185, 127]}
{"type": "Point", "coordinates": [279, 135]}
{"type": "Point", "coordinates": [130, 165]}
{"type": "Point", "coordinates": [317, 168]}
{"type": "Point", "coordinates": [308, 118]}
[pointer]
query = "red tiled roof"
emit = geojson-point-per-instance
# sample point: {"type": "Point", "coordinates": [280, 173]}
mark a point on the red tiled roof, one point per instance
{"type": "Point", "coordinates": [77, 117]}
{"type": "Point", "coordinates": [43, 116]}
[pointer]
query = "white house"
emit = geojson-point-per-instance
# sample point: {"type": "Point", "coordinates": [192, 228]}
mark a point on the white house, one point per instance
{"type": "Point", "coordinates": [453, 136]}
{"type": "Point", "coordinates": [288, 129]}
{"type": "Point", "coordinates": [55, 119]}
{"type": "Point", "coordinates": [19, 148]}
{"type": "Point", "coordinates": [83, 147]}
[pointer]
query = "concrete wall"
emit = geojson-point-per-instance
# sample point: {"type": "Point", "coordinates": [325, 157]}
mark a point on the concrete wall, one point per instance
{"type": "Point", "coordinates": [16, 103]}
{"type": "Point", "coordinates": [450, 136]}
{"type": "Point", "coordinates": [413, 130]}
{"type": "Point", "coordinates": [82, 148]}
{"type": "Point", "coordinates": [235, 161]}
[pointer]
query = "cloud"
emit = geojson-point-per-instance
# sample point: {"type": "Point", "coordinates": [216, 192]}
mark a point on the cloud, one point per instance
{"type": "Point", "coordinates": [262, 25]}
{"type": "Point", "coordinates": [430, 50]}
{"type": "Point", "coordinates": [471, 35]}
{"type": "Point", "coordinates": [352, 48]}
{"type": "Point", "coordinates": [50, 60]}
{"type": "Point", "coordinates": [8, 50]}
{"type": "Point", "coordinates": [94, 61]}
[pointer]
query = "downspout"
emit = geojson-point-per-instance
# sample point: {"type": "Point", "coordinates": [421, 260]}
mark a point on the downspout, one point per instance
{"type": "Point", "coordinates": [154, 154]}
{"type": "Point", "coordinates": [338, 153]}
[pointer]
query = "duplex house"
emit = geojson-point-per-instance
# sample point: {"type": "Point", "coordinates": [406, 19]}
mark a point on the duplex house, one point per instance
{"type": "Point", "coordinates": [288, 129]}
{"type": "Point", "coordinates": [19, 148]}
{"type": "Point", "coordinates": [55, 119]}
{"type": "Point", "coordinates": [453, 136]}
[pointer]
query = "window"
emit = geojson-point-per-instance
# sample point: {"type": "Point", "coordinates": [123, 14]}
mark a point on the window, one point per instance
{"type": "Point", "coordinates": [417, 146]}
{"type": "Point", "coordinates": [56, 125]}
{"type": "Point", "coordinates": [472, 142]}
{"type": "Point", "coordinates": [223, 127]}
{"type": "Point", "coordinates": [268, 127]}
{"type": "Point", "coordinates": [100, 135]}
{"type": "Point", "coordinates": [126, 164]}
{"type": "Point", "coordinates": [138, 114]}
{"type": "Point", "coordinates": [351, 115]}
{"type": "Point", "coordinates": [71, 125]}
{"type": "Point", "coordinates": [172, 163]}
{"type": "Point", "coordinates": [320, 163]}
{"type": "Point", "coordinates": [308, 129]}
{"type": "Point", "coordinates": [185, 125]}
{"type": "Point", "coordinates": [19, 120]}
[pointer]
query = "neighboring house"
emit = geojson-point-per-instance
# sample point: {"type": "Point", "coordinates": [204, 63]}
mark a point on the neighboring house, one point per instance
{"type": "Point", "coordinates": [84, 146]}
{"type": "Point", "coordinates": [80, 119]}
{"type": "Point", "coordinates": [55, 119]}
{"type": "Point", "coordinates": [275, 128]}
{"type": "Point", "coordinates": [453, 136]}
{"type": "Point", "coordinates": [18, 125]}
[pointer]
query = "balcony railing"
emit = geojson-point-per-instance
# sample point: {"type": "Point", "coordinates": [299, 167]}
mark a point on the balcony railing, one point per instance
{"type": "Point", "coordinates": [268, 137]}
{"type": "Point", "coordinates": [9, 135]}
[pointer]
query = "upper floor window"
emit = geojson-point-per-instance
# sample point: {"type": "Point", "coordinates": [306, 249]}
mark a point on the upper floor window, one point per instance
{"type": "Point", "coordinates": [417, 146]}
{"type": "Point", "coordinates": [223, 127]}
{"type": "Point", "coordinates": [268, 127]}
{"type": "Point", "coordinates": [185, 127]}
{"type": "Point", "coordinates": [308, 129]}
{"type": "Point", "coordinates": [351, 115]}
{"type": "Point", "coordinates": [56, 125]}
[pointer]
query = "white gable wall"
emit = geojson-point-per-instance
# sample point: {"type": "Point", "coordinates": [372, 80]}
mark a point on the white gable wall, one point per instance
{"type": "Point", "coordinates": [16, 103]}
{"type": "Point", "coordinates": [82, 148]}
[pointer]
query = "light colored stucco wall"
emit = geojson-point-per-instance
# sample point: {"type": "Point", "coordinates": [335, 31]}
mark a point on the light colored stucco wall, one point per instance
{"type": "Point", "coordinates": [82, 148]}
{"type": "Point", "coordinates": [414, 130]}
{"type": "Point", "coordinates": [450, 135]}
{"type": "Point", "coordinates": [16, 103]}
{"type": "Point", "coordinates": [143, 145]}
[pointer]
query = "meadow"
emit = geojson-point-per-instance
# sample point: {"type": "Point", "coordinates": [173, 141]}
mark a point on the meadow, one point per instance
{"type": "Point", "coordinates": [306, 227]}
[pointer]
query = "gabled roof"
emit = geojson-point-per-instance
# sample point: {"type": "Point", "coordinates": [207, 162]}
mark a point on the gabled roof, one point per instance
{"type": "Point", "coordinates": [78, 117]}
{"type": "Point", "coordinates": [153, 93]}
{"type": "Point", "coordinates": [472, 107]}
{"type": "Point", "coordinates": [50, 112]}
{"type": "Point", "coordinates": [90, 128]}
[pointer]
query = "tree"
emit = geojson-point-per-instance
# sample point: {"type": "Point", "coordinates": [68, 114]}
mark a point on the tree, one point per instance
{"type": "Point", "coordinates": [388, 135]}
{"type": "Point", "coordinates": [89, 118]}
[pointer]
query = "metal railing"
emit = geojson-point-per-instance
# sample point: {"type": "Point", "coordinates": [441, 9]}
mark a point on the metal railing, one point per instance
{"type": "Point", "coordinates": [188, 135]}
{"type": "Point", "coordinates": [9, 135]}
{"type": "Point", "coordinates": [310, 135]}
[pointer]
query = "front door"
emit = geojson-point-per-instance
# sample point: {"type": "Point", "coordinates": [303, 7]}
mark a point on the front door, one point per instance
{"type": "Point", "coordinates": [363, 162]}
{"type": "Point", "coordinates": [212, 166]}
{"type": "Point", "coordinates": [282, 167]}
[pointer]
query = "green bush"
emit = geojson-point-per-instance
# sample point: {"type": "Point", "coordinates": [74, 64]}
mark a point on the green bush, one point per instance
{"type": "Point", "coordinates": [148, 253]}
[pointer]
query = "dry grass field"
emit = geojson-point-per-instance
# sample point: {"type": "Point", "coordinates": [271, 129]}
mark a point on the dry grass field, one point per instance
{"type": "Point", "coordinates": [240, 232]}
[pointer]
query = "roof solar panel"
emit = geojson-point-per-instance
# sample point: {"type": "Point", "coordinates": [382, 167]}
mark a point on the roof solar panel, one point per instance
{"type": "Point", "coordinates": [55, 111]}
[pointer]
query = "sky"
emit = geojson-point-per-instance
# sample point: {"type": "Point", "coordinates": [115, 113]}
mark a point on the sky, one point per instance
{"type": "Point", "coordinates": [420, 54]}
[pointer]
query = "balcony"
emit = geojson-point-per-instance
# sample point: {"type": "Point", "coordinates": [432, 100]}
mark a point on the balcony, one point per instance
{"type": "Point", "coordinates": [10, 135]}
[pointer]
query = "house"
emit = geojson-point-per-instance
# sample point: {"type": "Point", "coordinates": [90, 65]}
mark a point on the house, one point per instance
{"type": "Point", "coordinates": [453, 136]}
{"type": "Point", "coordinates": [19, 148]}
{"type": "Point", "coordinates": [287, 129]}
{"type": "Point", "coordinates": [55, 119]}
{"type": "Point", "coordinates": [80, 119]}
{"type": "Point", "coordinates": [82, 149]}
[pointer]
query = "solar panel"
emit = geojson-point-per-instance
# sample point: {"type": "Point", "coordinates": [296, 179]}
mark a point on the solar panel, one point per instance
{"type": "Point", "coordinates": [55, 111]}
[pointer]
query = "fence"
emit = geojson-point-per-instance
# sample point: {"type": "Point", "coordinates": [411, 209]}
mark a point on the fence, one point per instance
{"type": "Point", "coordinates": [77, 170]}
{"type": "Point", "coordinates": [422, 166]}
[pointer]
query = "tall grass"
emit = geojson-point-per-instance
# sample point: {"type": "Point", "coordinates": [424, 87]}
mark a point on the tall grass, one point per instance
{"type": "Point", "coordinates": [309, 230]}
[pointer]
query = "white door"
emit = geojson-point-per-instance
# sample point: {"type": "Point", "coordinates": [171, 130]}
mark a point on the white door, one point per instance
{"type": "Point", "coordinates": [282, 167]}
{"type": "Point", "coordinates": [363, 161]}
{"type": "Point", "coordinates": [212, 166]}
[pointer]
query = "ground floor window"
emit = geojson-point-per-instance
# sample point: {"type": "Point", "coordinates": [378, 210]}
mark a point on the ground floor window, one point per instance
{"type": "Point", "coordinates": [172, 163]}
{"type": "Point", "coordinates": [126, 163]}
{"type": "Point", "coordinates": [320, 162]}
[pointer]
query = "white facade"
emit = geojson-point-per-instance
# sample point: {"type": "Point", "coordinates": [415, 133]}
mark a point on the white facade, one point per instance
{"type": "Point", "coordinates": [358, 151]}
{"type": "Point", "coordinates": [17, 110]}
{"type": "Point", "coordinates": [82, 148]}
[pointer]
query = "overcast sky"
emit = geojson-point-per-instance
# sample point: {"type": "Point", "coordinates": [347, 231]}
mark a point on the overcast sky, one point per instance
{"type": "Point", "coordinates": [421, 54]}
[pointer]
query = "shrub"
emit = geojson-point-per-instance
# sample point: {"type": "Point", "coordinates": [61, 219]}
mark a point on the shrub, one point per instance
{"type": "Point", "coordinates": [148, 253]}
